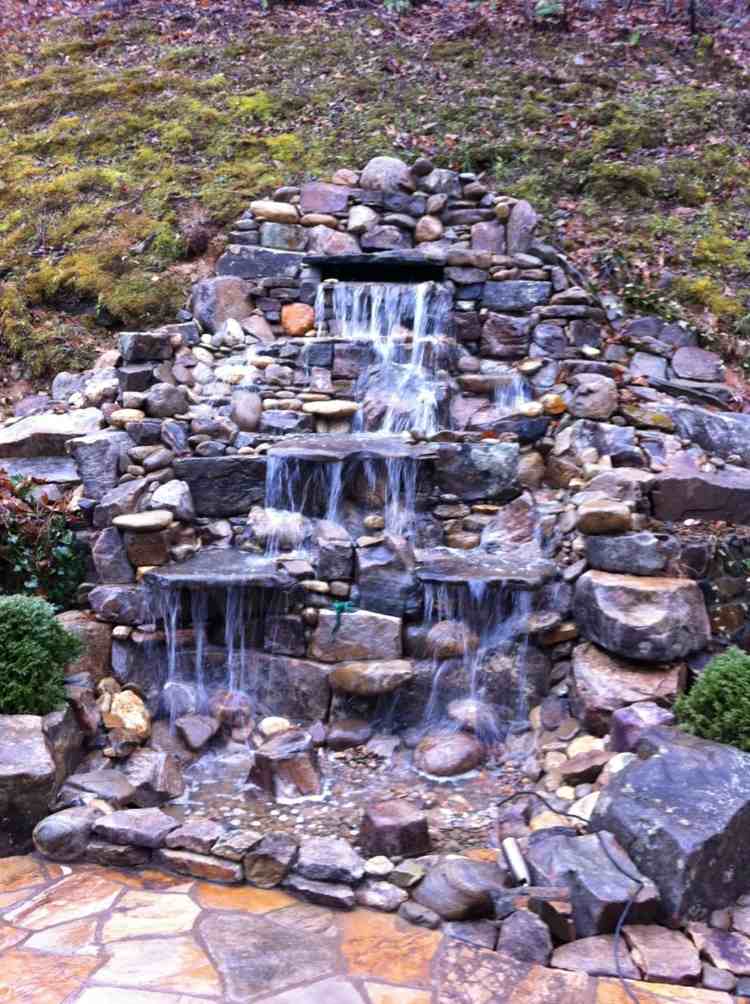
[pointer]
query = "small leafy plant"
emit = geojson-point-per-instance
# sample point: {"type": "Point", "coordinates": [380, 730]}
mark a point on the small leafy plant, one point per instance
{"type": "Point", "coordinates": [34, 651]}
{"type": "Point", "coordinates": [38, 550]}
{"type": "Point", "coordinates": [718, 705]}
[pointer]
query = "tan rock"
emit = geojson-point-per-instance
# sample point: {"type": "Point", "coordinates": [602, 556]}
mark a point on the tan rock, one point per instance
{"type": "Point", "coordinates": [297, 319]}
{"type": "Point", "coordinates": [122, 416]}
{"type": "Point", "coordinates": [331, 409]}
{"type": "Point", "coordinates": [140, 912]}
{"type": "Point", "coordinates": [429, 228]}
{"type": "Point", "coordinates": [275, 212]}
{"type": "Point", "coordinates": [604, 516]}
{"type": "Point", "coordinates": [369, 679]}
{"type": "Point", "coordinates": [127, 711]}
{"type": "Point", "coordinates": [144, 522]}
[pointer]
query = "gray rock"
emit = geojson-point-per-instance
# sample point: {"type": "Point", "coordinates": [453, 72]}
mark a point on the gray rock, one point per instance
{"type": "Point", "coordinates": [175, 496]}
{"type": "Point", "coordinates": [27, 780]}
{"type": "Point", "coordinates": [525, 937]}
{"type": "Point", "coordinates": [329, 859]}
{"type": "Point", "coordinates": [215, 300]}
{"type": "Point", "coordinates": [285, 236]}
{"type": "Point", "coordinates": [380, 896]}
{"type": "Point", "coordinates": [691, 363]}
{"type": "Point", "coordinates": [223, 486]}
{"type": "Point", "coordinates": [515, 294]}
{"type": "Point", "coordinates": [629, 724]}
{"type": "Point", "coordinates": [110, 557]}
{"type": "Point", "coordinates": [460, 889]}
{"type": "Point", "coordinates": [387, 174]}
{"type": "Point", "coordinates": [595, 956]}
{"type": "Point", "coordinates": [119, 501]}
{"type": "Point", "coordinates": [673, 810]}
{"type": "Point", "coordinates": [419, 915]}
{"type": "Point", "coordinates": [521, 227]}
{"type": "Point", "coordinates": [163, 400]}
{"type": "Point", "coordinates": [248, 262]}
{"type": "Point", "coordinates": [481, 933]}
{"type": "Point", "coordinates": [642, 553]}
{"type": "Point", "coordinates": [330, 894]}
{"type": "Point", "coordinates": [236, 844]}
{"type": "Point", "coordinates": [359, 635]}
{"type": "Point", "coordinates": [64, 835]}
{"type": "Point", "coordinates": [140, 827]}
{"type": "Point", "coordinates": [386, 579]}
{"type": "Point", "coordinates": [270, 859]}
{"type": "Point", "coordinates": [110, 785]}
{"type": "Point", "coordinates": [101, 852]}
{"type": "Point", "coordinates": [156, 777]}
{"type": "Point", "coordinates": [594, 396]}
{"type": "Point", "coordinates": [99, 458]}
{"type": "Point", "coordinates": [45, 435]}
{"type": "Point", "coordinates": [599, 889]}
{"type": "Point", "coordinates": [146, 346]}
{"type": "Point", "coordinates": [120, 604]}
{"type": "Point", "coordinates": [648, 618]}
{"type": "Point", "coordinates": [322, 197]}
{"type": "Point", "coordinates": [480, 471]}
{"type": "Point", "coordinates": [247, 410]}
{"type": "Point", "coordinates": [504, 336]}
{"type": "Point", "coordinates": [197, 730]}
{"type": "Point", "coordinates": [683, 492]}
{"type": "Point", "coordinates": [196, 834]}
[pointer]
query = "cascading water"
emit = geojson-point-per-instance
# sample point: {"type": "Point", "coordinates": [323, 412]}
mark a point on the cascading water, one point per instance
{"type": "Point", "coordinates": [403, 323]}
{"type": "Point", "coordinates": [511, 390]}
{"type": "Point", "coordinates": [481, 675]}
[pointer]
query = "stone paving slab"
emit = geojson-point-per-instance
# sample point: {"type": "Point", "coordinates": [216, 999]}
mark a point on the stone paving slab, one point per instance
{"type": "Point", "coordinates": [85, 934]}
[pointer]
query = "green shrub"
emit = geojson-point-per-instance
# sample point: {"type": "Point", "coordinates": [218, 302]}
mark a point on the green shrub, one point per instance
{"type": "Point", "coordinates": [718, 706]}
{"type": "Point", "coordinates": [34, 651]}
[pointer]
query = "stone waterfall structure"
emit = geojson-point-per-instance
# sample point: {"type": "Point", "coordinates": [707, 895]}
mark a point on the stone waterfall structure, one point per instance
{"type": "Point", "coordinates": [397, 472]}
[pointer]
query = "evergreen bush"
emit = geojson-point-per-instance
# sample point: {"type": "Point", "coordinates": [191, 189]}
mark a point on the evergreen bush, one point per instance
{"type": "Point", "coordinates": [34, 651]}
{"type": "Point", "coordinates": [718, 705]}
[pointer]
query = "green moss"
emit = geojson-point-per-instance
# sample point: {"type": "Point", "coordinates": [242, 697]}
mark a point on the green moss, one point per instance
{"type": "Point", "coordinates": [709, 293]}
{"type": "Point", "coordinates": [632, 183]}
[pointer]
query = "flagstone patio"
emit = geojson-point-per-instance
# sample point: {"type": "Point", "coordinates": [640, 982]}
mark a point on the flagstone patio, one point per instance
{"type": "Point", "coordinates": [91, 935]}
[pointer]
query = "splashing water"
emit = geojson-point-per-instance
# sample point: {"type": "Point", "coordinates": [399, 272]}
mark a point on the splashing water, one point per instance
{"type": "Point", "coordinates": [496, 618]}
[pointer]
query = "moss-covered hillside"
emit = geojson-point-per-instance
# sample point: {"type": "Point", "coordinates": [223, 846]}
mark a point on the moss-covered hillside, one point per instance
{"type": "Point", "coordinates": [126, 145]}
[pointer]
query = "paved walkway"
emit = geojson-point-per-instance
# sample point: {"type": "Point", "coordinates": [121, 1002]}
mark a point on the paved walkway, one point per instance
{"type": "Point", "coordinates": [94, 935]}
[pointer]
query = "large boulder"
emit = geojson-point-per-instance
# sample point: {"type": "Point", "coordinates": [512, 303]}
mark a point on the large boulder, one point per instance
{"type": "Point", "coordinates": [386, 174]}
{"type": "Point", "coordinates": [601, 683]}
{"type": "Point", "coordinates": [687, 493]}
{"type": "Point", "coordinates": [218, 299]}
{"type": "Point", "coordinates": [645, 618]}
{"type": "Point", "coordinates": [45, 435]}
{"type": "Point", "coordinates": [223, 486]}
{"type": "Point", "coordinates": [642, 553]}
{"type": "Point", "coordinates": [99, 458]}
{"type": "Point", "coordinates": [371, 679]}
{"type": "Point", "coordinates": [682, 811]}
{"type": "Point", "coordinates": [95, 659]}
{"type": "Point", "coordinates": [27, 780]}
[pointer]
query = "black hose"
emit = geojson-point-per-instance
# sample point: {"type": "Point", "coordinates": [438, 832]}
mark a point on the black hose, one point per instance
{"type": "Point", "coordinates": [524, 793]}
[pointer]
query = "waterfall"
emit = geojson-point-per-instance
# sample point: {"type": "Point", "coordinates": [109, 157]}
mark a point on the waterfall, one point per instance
{"type": "Point", "coordinates": [403, 323]}
{"type": "Point", "coordinates": [511, 390]}
{"type": "Point", "coordinates": [488, 675]}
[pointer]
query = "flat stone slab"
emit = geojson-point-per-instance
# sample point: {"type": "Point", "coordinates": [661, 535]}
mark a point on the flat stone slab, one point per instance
{"type": "Point", "coordinates": [684, 492]}
{"type": "Point", "coordinates": [51, 470]}
{"type": "Point", "coordinates": [446, 564]}
{"type": "Point", "coordinates": [331, 448]}
{"type": "Point", "coordinates": [45, 435]}
{"type": "Point", "coordinates": [141, 827]}
{"type": "Point", "coordinates": [221, 568]}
